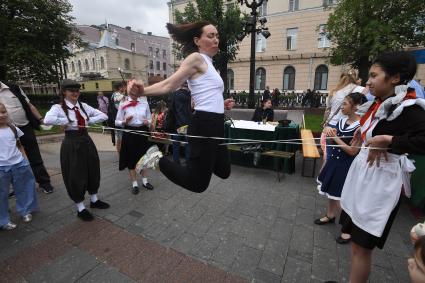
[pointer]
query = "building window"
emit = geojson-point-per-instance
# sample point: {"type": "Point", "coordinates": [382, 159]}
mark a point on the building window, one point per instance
{"type": "Point", "coordinates": [260, 43]}
{"type": "Point", "coordinates": [324, 41]}
{"type": "Point", "coordinates": [230, 79]}
{"type": "Point", "coordinates": [157, 53]}
{"type": "Point", "coordinates": [72, 67]}
{"type": "Point", "coordinates": [291, 38]}
{"type": "Point", "coordinates": [263, 9]}
{"type": "Point", "coordinates": [158, 65]}
{"type": "Point", "coordinates": [164, 54]}
{"type": "Point", "coordinates": [321, 78]}
{"type": "Point", "coordinates": [86, 64]}
{"type": "Point", "coordinates": [164, 66]}
{"type": "Point", "coordinates": [127, 64]}
{"type": "Point", "coordinates": [165, 76]}
{"type": "Point", "coordinates": [97, 85]}
{"type": "Point", "coordinates": [150, 65]}
{"type": "Point", "coordinates": [79, 66]}
{"type": "Point", "coordinates": [117, 41]}
{"type": "Point", "coordinates": [260, 78]}
{"type": "Point", "coordinates": [133, 47]}
{"type": "Point", "coordinates": [83, 86]}
{"type": "Point", "coordinates": [93, 64]}
{"type": "Point", "coordinates": [293, 5]}
{"type": "Point", "coordinates": [289, 78]}
{"type": "Point", "coordinates": [66, 68]}
{"type": "Point", "coordinates": [102, 63]}
{"type": "Point", "coordinates": [328, 2]}
{"type": "Point", "coordinates": [150, 51]}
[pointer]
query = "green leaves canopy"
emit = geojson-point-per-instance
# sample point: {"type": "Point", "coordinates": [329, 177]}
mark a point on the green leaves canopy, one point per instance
{"type": "Point", "coordinates": [34, 38]}
{"type": "Point", "coordinates": [361, 29]}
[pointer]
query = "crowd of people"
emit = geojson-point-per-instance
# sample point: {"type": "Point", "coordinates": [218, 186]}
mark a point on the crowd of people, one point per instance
{"type": "Point", "coordinates": [365, 141]}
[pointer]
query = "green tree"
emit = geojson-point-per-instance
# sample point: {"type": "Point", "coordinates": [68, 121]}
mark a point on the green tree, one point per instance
{"type": "Point", "coordinates": [34, 36]}
{"type": "Point", "coordinates": [361, 29]}
{"type": "Point", "coordinates": [228, 22]}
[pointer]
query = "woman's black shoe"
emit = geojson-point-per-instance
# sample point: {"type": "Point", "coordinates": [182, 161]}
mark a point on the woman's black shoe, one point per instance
{"type": "Point", "coordinates": [85, 215]}
{"type": "Point", "coordinates": [318, 221]}
{"type": "Point", "coordinates": [99, 204]}
{"type": "Point", "coordinates": [148, 186]}
{"type": "Point", "coordinates": [340, 240]}
{"type": "Point", "coordinates": [135, 190]}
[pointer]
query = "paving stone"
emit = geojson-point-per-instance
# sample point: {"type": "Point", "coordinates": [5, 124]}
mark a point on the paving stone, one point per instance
{"type": "Point", "coordinates": [244, 226]}
{"type": "Point", "coordinates": [257, 237]}
{"type": "Point", "coordinates": [170, 234]}
{"type": "Point", "coordinates": [246, 262]}
{"type": "Point", "coordinates": [397, 264]}
{"type": "Point", "coordinates": [282, 230]}
{"type": "Point", "coordinates": [268, 215]}
{"type": "Point", "coordinates": [301, 245]}
{"type": "Point", "coordinates": [307, 202]}
{"type": "Point", "coordinates": [325, 238]}
{"type": "Point", "coordinates": [67, 268]}
{"type": "Point", "coordinates": [296, 271]}
{"type": "Point", "coordinates": [222, 226]}
{"type": "Point", "coordinates": [277, 247]}
{"type": "Point", "coordinates": [201, 226]}
{"type": "Point", "coordinates": [272, 262]}
{"type": "Point", "coordinates": [103, 273]}
{"type": "Point", "coordinates": [305, 217]}
{"type": "Point", "coordinates": [381, 275]}
{"type": "Point", "coordinates": [325, 265]}
{"type": "Point", "coordinates": [126, 220]}
{"type": "Point", "coordinates": [185, 243]}
{"type": "Point", "coordinates": [205, 247]}
{"type": "Point", "coordinates": [263, 276]}
{"type": "Point", "coordinates": [227, 250]}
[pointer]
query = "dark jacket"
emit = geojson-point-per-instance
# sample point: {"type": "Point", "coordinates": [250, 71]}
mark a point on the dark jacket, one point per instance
{"type": "Point", "coordinates": [182, 107]}
{"type": "Point", "coordinates": [260, 114]}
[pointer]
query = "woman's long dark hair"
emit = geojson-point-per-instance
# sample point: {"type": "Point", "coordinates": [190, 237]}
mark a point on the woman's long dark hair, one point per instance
{"type": "Point", "coordinates": [185, 33]}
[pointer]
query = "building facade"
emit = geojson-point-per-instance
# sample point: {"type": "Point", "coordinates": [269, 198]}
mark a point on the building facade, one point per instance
{"type": "Point", "coordinates": [296, 55]}
{"type": "Point", "coordinates": [110, 48]}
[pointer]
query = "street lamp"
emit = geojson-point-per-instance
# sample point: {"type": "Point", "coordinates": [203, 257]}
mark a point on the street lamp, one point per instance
{"type": "Point", "coordinates": [250, 27]}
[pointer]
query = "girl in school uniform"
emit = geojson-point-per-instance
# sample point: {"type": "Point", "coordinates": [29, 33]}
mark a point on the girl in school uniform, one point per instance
{"type": "Point", "coordinates": [134, 114]}
{"type": "Point", "coordinates": [78, 154]}
{"type": "Point", "coordinates": [14, 169]}
{"type": "Point", "coordinates": [393, 125]}
{"type": "Point", "coordinates": [332, 177]}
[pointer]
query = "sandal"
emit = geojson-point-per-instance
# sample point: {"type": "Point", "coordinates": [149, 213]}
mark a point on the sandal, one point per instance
{"type": "Point", "coordinates": [340, 240]}
{"type": "Point", "coordinates": [319, 221]}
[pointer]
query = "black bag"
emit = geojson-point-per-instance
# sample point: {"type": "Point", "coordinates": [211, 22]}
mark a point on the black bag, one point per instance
{"type": "Point", "coordinates": [112, 112]}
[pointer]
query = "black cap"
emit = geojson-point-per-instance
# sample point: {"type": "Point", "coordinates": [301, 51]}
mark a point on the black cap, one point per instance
{"type": "Point", "coordinates": [67, 83]}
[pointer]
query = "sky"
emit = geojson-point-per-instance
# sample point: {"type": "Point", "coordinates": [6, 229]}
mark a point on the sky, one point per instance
{"type": "Point", "coordinates": [140, 15]}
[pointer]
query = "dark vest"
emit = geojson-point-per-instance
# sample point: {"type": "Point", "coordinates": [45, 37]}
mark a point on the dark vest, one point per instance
{"type": "Point", "coordinates": [34, 122]}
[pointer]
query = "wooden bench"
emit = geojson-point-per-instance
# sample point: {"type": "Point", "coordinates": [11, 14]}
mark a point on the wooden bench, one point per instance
{"type": "Point", "coordinates": [271, 153]}
{"type": "Point", "coordinates": [310, 150]}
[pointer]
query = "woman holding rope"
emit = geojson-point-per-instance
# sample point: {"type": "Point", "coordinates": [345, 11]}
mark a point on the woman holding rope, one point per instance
{"type": "Point", "coordinates": [200, 43]}
{"type": "Point", "coordinates": [393, 125]}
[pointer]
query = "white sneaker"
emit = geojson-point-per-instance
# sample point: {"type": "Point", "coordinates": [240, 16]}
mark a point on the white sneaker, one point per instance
{"type": "Point", "coordinates": [149, 160]}
{"type": "Point", "coordinates": [27, 218]}
{"type": "Point", "coordinates": [9, 226]}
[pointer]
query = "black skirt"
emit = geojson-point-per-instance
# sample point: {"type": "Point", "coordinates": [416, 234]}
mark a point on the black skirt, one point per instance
{"type": "Point", "coordinates": [363, 238]}
{"type": "Point", "coordinates": [133, 147]}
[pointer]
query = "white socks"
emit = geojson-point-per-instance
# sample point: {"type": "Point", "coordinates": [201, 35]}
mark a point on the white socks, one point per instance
{"type": "Point", "coordinates": [93, 198]}
{"type": "Point", "coordinates": [144, 181]}
{"type": "Point", "coordinates": [135, 184]}
{"type": "Point", "coordinates": [80, 206]}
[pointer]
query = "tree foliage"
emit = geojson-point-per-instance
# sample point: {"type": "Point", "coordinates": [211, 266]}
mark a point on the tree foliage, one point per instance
{"type": "Point", "coordinates": [228, 22]}
{"type": "Point", "coordinates": [361, 29]}
{"type": "Point", "coordinates": [34, 36]}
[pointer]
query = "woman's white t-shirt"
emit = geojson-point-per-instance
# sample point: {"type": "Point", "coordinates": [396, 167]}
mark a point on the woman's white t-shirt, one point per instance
{"type": "Point", "coordinates": [207, 89]}
{"type": "Point", "coordinates": [9, 152]}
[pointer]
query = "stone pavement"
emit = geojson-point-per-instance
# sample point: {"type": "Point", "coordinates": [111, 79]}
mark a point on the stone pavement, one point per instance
{"type": "Point", "coordinates": [248, 228]}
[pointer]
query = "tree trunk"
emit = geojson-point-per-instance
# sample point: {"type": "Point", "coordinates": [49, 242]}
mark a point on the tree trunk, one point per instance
{"type": "Point", "coordinates": [364, 66]}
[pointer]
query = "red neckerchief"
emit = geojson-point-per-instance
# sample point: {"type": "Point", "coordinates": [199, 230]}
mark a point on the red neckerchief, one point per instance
{"type": "Point", "coordinates": [411, 94]}
{"type": "Point", "coordinates": [130, 104]}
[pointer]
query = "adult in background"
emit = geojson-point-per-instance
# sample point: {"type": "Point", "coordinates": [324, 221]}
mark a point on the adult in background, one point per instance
{"type": "Point", "coordinates": [308, 97]}
{"type": "Point", "coordinates": [275, 97]}
{"type": "Point", "coordinates": [117, 97]}
{"type": "Point", "coordinates": [102, 102]}
{"type": "Point", "coordinates": [181, 109]}
{"type": "Point", "coordinates": [264, 113]}
{"type": "Point", "coordinates": [27, 118]}
{"type": "Point", "coordinates": [266, 94]}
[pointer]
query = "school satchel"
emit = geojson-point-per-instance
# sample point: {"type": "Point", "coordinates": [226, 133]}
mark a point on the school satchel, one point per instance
{"type": "Point", "coordinates": [112, 112]}
{"type": "Point", "coordinates": [15, 133]}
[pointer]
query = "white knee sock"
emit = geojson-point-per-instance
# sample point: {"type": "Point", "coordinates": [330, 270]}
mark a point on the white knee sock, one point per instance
{"type": "Point", "coordinates": [80, 206]}
{"type": "Point", "coordinates": [135, 184]}
{"type": "Point", "coordinates": [145, 181]}
{"type": "Point", "coordinates": [93, 198]}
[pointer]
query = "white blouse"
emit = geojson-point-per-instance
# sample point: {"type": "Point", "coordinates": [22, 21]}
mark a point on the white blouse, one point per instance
{"type": "Point", "coordinates": [56, 116]}
{"type": "Point", "coordinates": [140, 113]}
